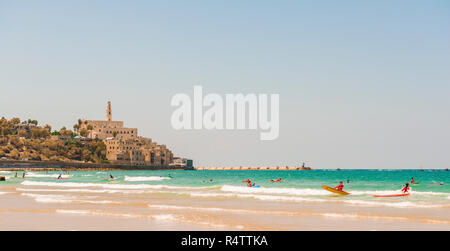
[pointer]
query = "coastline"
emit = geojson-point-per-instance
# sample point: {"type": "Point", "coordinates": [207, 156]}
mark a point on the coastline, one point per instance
{"type": "Point", "coordinates": [17, 165]}
{"type": "Point", "coordinates": [218, 200]}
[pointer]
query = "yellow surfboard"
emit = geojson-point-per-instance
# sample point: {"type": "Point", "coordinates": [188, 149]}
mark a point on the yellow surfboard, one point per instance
{"type": "Point", "coordinates": [329, 189]}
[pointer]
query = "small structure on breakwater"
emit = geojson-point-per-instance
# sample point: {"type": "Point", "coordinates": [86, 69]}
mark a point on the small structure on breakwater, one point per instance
{"type": "Point", "coordinates": [255, 168]}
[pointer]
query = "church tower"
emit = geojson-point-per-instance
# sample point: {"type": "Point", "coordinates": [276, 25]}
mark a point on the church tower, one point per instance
{"type": "Point", "coordinates": [109, 112]}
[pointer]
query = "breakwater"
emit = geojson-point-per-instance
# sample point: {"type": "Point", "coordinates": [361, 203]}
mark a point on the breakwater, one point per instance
{"type": "Point", "coordinates": [13, 165]}
{"type": "Point", "coordinates": [255, 168]}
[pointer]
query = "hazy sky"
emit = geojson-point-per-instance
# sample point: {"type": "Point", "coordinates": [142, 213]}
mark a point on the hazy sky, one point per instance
{"type": "Point", "coordinates": [362, 85]}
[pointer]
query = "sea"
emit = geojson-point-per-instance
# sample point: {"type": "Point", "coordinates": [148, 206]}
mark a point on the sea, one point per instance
{"type": "Point", "coordinates": [219, 191]}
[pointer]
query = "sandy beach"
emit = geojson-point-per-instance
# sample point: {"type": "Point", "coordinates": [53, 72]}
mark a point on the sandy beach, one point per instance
{"type": "Point", "coordinates": [35, 205]}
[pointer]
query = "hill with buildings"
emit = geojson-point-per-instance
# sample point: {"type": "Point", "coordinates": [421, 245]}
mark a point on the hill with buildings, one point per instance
{"type": "Point", "coordinates": [91, 141]}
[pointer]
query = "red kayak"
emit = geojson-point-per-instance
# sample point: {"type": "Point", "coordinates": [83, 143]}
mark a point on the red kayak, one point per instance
{"type": "Point", "coordinates": [391, 195]}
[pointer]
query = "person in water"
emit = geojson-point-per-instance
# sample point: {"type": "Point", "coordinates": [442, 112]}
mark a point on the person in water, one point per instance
{"type": "Point", "coordinates": [412, 180]}
{"type": "Point", "coordinates": [60, 177]}
{"type": "Point", "coordinates": [406, 188]}
{"type": "Point", "coordinates": [278, 180]}
{"type": "Point", "coordinates": [110, 175]}
{"type": "Point", "coordinates": [23, 176]}
{"type": "Point", "coordinates": [340, 187]}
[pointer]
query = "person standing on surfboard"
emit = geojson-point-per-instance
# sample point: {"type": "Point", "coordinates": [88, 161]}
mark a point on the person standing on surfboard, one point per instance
{"type": "Point", "coordinates": [406, 188]}
{"type": "Point", "coordinates": [340, 187]}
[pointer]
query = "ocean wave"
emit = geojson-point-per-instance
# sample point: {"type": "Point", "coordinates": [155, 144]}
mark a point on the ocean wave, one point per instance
{"type": "Point", "coordinates": [149, 178]}
{"type": "Point", "coordinates": [107, 186]}
{"type": "Point", "coordinates": [290, 191]}
{"type": "Point", "coordinates": [38, 175]}
{"type": "Point", "coordinates": [64, 199]}
{"type": "Point", "coordinates": [403, 204]}
{"type": "Point", "coordinates": [161, 217]}
{"type": "Point", "coordinates": [312, 191]}
{"type": "Point", "coordinates": [49, 198]}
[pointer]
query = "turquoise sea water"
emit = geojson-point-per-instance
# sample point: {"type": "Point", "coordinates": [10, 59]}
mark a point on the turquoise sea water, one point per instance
{"type": "Point", "coordinates": [296, 185]}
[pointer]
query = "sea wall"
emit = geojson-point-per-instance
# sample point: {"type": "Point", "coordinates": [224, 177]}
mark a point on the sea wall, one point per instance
{"type": "Point", "coordinates": [12, 165]}
{"type": "Point", "coordinates": [270, 168]}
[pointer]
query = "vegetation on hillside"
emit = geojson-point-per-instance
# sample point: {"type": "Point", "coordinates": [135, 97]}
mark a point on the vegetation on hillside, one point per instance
{"type": "Point", "coordinates": [26, 140]}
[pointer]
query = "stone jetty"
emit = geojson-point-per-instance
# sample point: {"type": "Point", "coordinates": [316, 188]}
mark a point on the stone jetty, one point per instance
{"type": "Point", "coordinates": [254, 168]}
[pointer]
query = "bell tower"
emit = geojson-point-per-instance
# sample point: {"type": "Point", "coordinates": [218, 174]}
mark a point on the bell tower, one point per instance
{"type": "Point", "coordinates": [109, 112]}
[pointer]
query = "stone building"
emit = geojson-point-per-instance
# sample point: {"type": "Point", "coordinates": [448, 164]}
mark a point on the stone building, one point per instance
{"type": "Point", "coordinates": [124, 146]}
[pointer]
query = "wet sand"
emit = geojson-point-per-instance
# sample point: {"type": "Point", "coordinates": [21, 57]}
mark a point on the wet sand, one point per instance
{"type": "Point", "coordinates": [37, 208]}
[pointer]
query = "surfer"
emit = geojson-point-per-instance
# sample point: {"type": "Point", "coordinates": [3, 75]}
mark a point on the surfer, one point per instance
{"type": "Point", "coordinates": [60, 176]}
{"type": "Point", "coordinates": [406, 188]}
{"type": "Point", "coordinates": [23, 176]}
{"type": "Point", "coordinates": [112, 177]}
{"type": "Point", "coordinates": [340, 187]}
{"type": "Point", "coordinates": [413, 181]}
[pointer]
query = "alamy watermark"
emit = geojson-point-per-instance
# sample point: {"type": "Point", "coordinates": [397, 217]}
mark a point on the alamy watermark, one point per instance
{"type": "Point", "coordinates": [235, 112]}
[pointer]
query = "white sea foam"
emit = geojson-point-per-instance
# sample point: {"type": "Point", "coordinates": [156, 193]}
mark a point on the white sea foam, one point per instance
{"type": "Point", "coordinates": [149, 178]}
{"type": "Point", "coordinates": [107, 186]}
{"type": "Point", "coordinates": [49, 198]}
{"type": "Point", "coordinates": [368, 217]}
{"type": "Point", "coordinates": [311, 192]}
{"type": "Point", "coordinates": [39, 175]}
{"type": "Point", "coordinates": [403, 204]}
{"type": "Point", "coordinates": [290, 191]}
{"type": "Point", "coordinates": [64, 199]}
{"type": "Point", "coordinates": [161, 217]}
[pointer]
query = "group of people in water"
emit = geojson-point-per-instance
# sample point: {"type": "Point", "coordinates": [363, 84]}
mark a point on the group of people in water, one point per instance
{"type": "Point", "coordinates": [405, 189]}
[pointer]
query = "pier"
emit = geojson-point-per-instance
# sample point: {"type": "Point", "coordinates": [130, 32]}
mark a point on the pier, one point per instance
{"type": "Point", "coordinates": [254, 168]}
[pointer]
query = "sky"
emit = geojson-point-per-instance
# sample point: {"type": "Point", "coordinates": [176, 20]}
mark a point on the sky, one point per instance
{"type": "Point", "coordinates": [361, 84]}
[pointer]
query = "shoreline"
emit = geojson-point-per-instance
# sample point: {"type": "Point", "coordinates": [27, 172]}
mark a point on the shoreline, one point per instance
{"type": "Point", "coordinates": [17, 165]}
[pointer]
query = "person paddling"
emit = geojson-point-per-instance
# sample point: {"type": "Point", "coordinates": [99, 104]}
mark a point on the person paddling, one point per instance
{"type": "Point", "coordinates": [406, 188]}
{"type": "Point", "coordinates": [340, 187]}
{"type": "Point", "coordinates": [278, 180]}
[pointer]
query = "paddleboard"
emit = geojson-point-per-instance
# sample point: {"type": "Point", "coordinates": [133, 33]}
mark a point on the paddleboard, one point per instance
{"type": "Point", "coordinates": [391, 195]}
{"type": "Point", "coordinates": [329, 189]}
